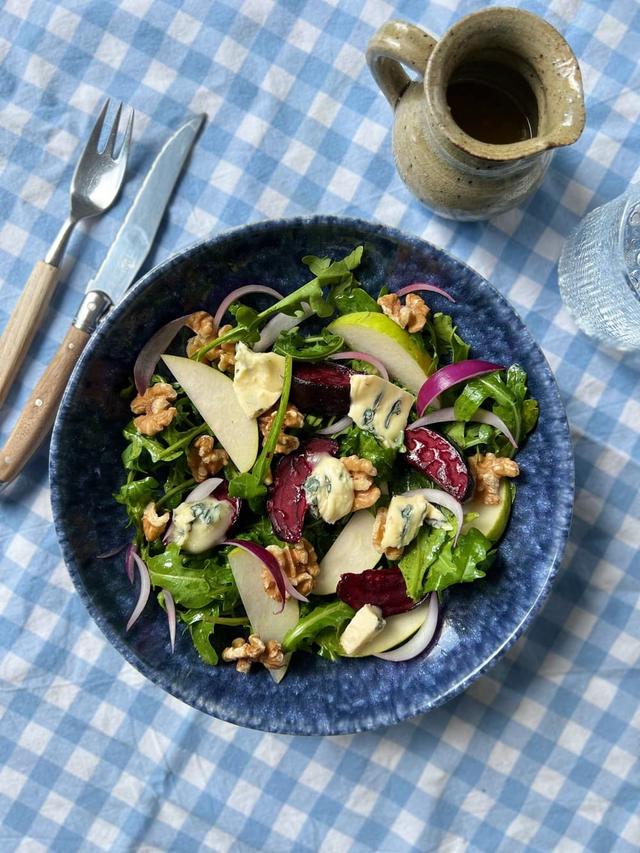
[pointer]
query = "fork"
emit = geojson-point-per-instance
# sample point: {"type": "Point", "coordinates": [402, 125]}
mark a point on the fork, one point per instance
{"type": "Point", "coordinates": [95, 186]}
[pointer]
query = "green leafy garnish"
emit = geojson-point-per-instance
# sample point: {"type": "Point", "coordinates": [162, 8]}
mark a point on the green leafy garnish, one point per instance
{"type": "Point", "coordinates": [448, 342]}
{"type": "Point", "coordinates": [250, 485]}
{"type": "Point", "coordinates": [365, 445]}
{"type": "Point", "coordinates": [310, 348]}
{"type": "Point", "coordinates": [354, 300]}
{"type": "Point", "coordinates": [324, 617]}
{"type": "Point", "coordinates": [193, 581]}
{"type": "Point", "coordinates": [134, 495]}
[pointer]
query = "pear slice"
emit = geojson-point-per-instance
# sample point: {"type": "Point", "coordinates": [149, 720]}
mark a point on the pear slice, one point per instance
{"type": "Point", "coordinates": [262, 610]}
{"type": "Point", "coordinates": [377, 334]}
{"type": "Point", "coordinates": [352, 551]}
{"type": "Point", "coordinates": [397, 630]}
{"type": "Point", "coordinates": [492, 518]}
{"type": "Point", "coordinates": [211, 392]}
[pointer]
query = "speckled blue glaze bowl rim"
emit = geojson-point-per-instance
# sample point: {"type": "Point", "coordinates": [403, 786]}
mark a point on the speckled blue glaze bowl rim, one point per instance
{"type": "Point", "coordinates": [382, 717]}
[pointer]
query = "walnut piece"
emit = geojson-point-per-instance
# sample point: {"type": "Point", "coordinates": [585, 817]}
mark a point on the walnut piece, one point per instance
{"type": "Point", "coordinates": [293, 419]}
{"type": "Point", "coordinates": [203, 325]}
{"type": "Point", "coordinates": [204, 460]}
{"type": "Point", "coordinates": [253, 650]}
{"type": "Point", "coordinates": [154, 409]}
{"type": "Point", "coordinates": [362, 472]}
{"type": "Point", "coordinates": [153, 525]}
{"type": "Point", "coordinates": [487, 471]}
{"type": "Point", "coordinates": [411, 316]}
{"type": "Point", "coordinates": [299, 563]}
{"type": "Point", "coordinates": [378, 535]}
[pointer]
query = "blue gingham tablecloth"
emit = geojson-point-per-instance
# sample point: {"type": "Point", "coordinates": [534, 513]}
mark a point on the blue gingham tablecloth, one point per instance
{"type": "Point", "coordinates": [541, 753]}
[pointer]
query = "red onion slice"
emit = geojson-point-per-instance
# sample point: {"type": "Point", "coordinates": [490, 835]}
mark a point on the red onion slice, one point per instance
{"type": "Point", "coordinates": [145, 589]}
{"type": "Point", "coordinates": [150, 353]}
{"type": "Point", "coordinates": [280, 323]}
{"type": "Point", "coordinates": [419, 285]}
{"type": "Point", "coordinates": [112, 552]}
{"type": "Point", "coordinates": [238, 294]}
{"type": "Point", "coordinates": [338, 426]}
{"type": "Point", "coordinates": [128, 560]}
{"type": "Point", "coordinates": [203, 490]}
{"type": "Point", "coordinates": [171, 617]}
{"type": "Point", "coordinates": [435, 496]}
{"type": "Point", "coordinates": [421, 639]}
{"type": "Point", "coordinates": [283, 583]}
{"type": "Point", "coordinates": [361, 356]}
{"type": "Point", "coordinates": [451, 375]}
{"type": "Point", "coordinates": [481, 416]}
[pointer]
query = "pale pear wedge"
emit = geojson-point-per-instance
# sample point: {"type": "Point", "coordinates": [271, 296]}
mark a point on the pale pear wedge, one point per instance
{"type": "Point", "coordinates": [377, 334]}
{"type": "Point", "coordinates": [262, 610]}
{"type": "Point", "coordinates": [397, 630]}
{"type": "Point", "coordinates": [492, 518]}
{"type": "Point", "coordinates": [211, 392]}
{"type": "Point", "coordinates": [352, 551]}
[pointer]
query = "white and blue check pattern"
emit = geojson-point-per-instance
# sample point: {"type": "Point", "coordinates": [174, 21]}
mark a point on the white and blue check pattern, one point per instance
{"type": "Point", "coordinates": [540, 754]}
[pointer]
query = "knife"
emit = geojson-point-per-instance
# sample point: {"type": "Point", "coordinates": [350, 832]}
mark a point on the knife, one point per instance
{"type": "Point", "coordinates": [117, 272]}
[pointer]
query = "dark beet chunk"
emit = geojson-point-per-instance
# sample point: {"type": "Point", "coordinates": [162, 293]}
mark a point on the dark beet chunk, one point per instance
{"type": "Point", "coordinates": [440, 460]}
{"type": "Point", "coordinates": [384, 588]}
{"type": "Point", "coordinates": [322, 387]}
{"type": "Point", "coordinates": [287, 501]}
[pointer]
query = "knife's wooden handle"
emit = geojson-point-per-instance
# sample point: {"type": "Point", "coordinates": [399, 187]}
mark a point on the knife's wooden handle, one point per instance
{"type": "Point", "coordinates": [38, 415]}
{"type": "Point", "coordinates": [24, 323]}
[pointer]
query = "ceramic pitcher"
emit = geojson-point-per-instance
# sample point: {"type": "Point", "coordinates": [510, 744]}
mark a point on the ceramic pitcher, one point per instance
{"type": "Point", "coordinates": [474, 135]}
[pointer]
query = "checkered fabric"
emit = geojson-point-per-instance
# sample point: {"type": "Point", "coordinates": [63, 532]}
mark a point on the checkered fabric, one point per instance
{"type": "Point", "coordinates": [541, 753]}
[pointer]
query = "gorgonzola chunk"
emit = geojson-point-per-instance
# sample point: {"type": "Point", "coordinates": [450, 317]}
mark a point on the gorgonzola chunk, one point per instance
{"type": "Point", "coordinates": [380, 407]}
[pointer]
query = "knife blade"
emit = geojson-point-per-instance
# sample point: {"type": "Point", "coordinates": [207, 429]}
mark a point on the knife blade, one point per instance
{"type": "Point", "coordinates": [115, 275]}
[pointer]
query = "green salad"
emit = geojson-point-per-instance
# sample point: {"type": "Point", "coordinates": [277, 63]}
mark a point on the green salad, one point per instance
{"type": "Point", "coordinates": [313, 474]}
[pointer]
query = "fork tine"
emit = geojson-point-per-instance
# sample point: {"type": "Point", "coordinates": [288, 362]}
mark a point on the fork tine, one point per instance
{"type": "Point", "coordinates": [111, 141]}
{"type": "Point", "coordinates": [92, 142]}
{"type": "Point", "coordinates": [123, 154]}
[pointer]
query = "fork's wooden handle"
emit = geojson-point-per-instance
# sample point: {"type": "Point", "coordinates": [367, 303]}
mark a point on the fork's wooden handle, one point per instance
{"type": "Point", "coordinates": [38, 415]}
{"type": "Point", "coordinates": [24, 322]}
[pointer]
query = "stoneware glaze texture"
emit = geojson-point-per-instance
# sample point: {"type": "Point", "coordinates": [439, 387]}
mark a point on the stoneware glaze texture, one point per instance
{"type": "Point", "coordinates": [451, 172]}
{"type": "Point", "coordinates": [316, 697]}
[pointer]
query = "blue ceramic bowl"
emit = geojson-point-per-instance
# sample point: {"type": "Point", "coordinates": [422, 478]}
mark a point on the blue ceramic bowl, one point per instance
{"type": "Point", "coordinates": [317, 697]}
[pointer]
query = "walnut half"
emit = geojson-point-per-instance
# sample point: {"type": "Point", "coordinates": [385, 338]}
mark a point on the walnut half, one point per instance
{"type": "Point", "coordinates": [204, 460]}
{"type": "Point", "coordinates": [487, 471]}
{"type": "Point", "coordinates": [300, 564]}
{"type": "Point", "coordinates": [293, 419]}
{"type": "Point", "coordinates": [153, 525]}
{"type": "Point", "coordinates": [154, 408]}
{"type": "Point", "coordinates": [411, 316]}
{"type": "Point", "coordinates": [378, 536]}
{"type": "Point", "coordinates": [362, 472]}
{"type": "Point", "coordinates": [253, 650]}
{"type": "Point", "coordinates": [202, 324]}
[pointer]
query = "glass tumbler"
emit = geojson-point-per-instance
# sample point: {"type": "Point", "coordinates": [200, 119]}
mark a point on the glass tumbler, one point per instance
{"type": "Point", "coordinates": [599, 272]}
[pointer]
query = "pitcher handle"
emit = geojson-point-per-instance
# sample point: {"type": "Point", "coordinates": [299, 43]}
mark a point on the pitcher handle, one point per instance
{"type": "Point", "coordinates": [398, 43]}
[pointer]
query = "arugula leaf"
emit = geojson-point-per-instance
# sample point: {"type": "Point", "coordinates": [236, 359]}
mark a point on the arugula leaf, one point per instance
{"type": "Point", "coordinates": [310, 348]}
{"type": "Point", "coordinates": [262, 533]}
{"type": "Point", "coordinates": [335, 275]}
{"type": "Point", "coordinates": [447, 342]}
{"type": "Point", "coordinates": [468, 435]}
{"type": "Point", "coordinates": [510, 404]}
{"type": "Point", "coordinates": [250, 485]}
{"type": "Point", "coordinates": [354, 300]}
{"type": "Point", "coordinates": [134, 495]}
{"type": "Point", "coordinates": [432, 563]}
{"type": "Point", "coordinates": [193, 581]}
{"type": "Point", "coordinates": [325, 616]}
{"type": "Point", "coordinates": [465, 563]}
{"type": "Point", "coordinates": [201, 633]}
{"type": "Point", "coordinates": [416, 560]}
{"type": "Point", "coordinates": [365, 445]}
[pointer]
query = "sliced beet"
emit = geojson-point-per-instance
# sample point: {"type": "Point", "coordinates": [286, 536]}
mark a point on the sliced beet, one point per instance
{"type": "Point", "coordinates": [322, 387]}
{"type": "Point", "coordinates": [287, 501]}
{"type": "Point", "coordinates": [384, 588]}
{"type": "Point", "coordinates": [439, 459]}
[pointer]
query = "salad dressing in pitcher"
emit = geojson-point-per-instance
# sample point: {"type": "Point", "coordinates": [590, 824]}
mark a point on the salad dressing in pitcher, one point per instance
{"type": "Point", "coordinates": [474, 134]}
